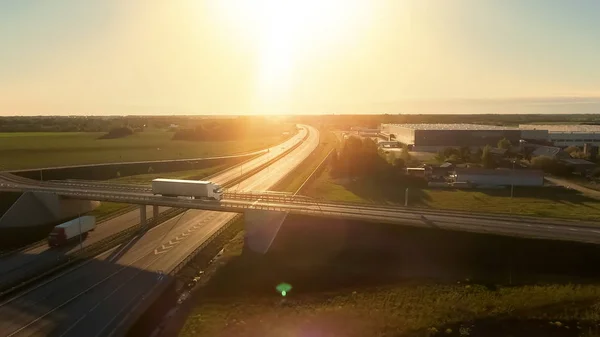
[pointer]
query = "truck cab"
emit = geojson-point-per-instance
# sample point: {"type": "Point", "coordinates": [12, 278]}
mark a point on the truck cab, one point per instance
{"type": "Point", "coordinates": [217, 192]}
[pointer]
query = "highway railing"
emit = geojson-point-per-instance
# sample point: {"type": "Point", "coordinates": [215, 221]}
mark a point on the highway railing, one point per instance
{"type": "Point", "coordinates": [286, 203]}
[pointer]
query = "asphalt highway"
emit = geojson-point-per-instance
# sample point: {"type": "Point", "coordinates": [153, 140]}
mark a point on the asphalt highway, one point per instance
{"type": "Point", "coordinates": [30, 261]}
{"type": "Point", "coordinates": [15, 266]}
{"type": "Point", "coordinates": [92, 299]}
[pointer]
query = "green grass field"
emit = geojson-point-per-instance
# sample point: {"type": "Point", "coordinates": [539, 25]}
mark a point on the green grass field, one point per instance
{"type": "Point", "coordinates": [247, 305]}
{"type": "Point", "coordinates": [295, 179]}
{"type": "Point", "coordinates": [543, 202]}
{"type": "Point", "coordinates": [145, 179]}
{"type": "Point", "coordinates": [34, 150]}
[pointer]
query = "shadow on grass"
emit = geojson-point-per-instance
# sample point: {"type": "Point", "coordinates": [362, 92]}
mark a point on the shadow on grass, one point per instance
{"type": "Point", "coordinates": [555, 194]}
{"type": "Point", "coordinates": [385, 190]}
{"type": "Point", "coordinates": [319, 255]}
{"type": "Point", "coordinates": [392, 191]}
{"type": "Point", "coordinates": [509, 326]}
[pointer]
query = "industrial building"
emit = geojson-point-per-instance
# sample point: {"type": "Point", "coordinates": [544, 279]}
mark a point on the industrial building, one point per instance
{"type": "Point", "coordinates": [498, 177]}
{"type": "Point", "coordinates": [432, 137]}
{"type": "Point", "coordinates": [562, 135]}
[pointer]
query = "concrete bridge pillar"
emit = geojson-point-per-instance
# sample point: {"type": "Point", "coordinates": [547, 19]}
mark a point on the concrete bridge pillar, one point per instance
{"type": "Point", "coordinates": [143, 223]}
{"type": "Point", "coordinates": [261, 228]}
{"type": "Point", "coordinates": [155, 212]}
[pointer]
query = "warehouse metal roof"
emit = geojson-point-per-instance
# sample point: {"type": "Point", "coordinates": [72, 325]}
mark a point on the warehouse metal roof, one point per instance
{"type": "Point", "coordinates": [453, 127]}
{"type": "Point", "coordinates": [561, 127]}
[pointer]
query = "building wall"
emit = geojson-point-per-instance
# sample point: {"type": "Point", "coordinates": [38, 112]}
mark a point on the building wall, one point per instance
{"type": "Point", "coordinates": [403, 134]}
{"type": "Point", "coordinates": [501, 179]}
{"type": "Point", "coordinates": [458, 138]}
{"type": "Point", "coordinates": [564, 139]}
{"type": "Point", "coordinates": [535, 134]}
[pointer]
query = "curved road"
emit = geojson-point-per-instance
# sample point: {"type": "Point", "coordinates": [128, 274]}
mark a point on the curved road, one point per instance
{"type": "Point", "coordinates": [92, 299]}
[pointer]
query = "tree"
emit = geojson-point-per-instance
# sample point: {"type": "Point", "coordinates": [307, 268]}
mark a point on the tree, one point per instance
{"type": "Point", "coordinates": [454, 159]}
{"type": "Point", "coordinates": [504, 144]}
{"type": "Point", "coordinates": [572, 149]}
{"type": "Point", "coordinates": [399, 163]}
{"type": "Point", "coordinates": [439, 157]}
{"type": "Point", "coordinates": [390, 157]}
{"type": "Point", "coordinates": [118, 133]}
{"type": "Point", "coordinates": [449, 151]}
{"type": "Point", "coordinates": [527, 153]}
{"type": "Point", "coordinates": [551, 165]}
{"type": "Point", "coordinates": [405, 155]}
{"type": "Point", "coordinates": [465, 154]}
{"type": "Point", "coordinates": [486, 157]}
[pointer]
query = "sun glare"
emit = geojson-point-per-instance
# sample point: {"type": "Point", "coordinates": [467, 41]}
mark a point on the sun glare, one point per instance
{"type": "Point", "coordinates": [285, 34]}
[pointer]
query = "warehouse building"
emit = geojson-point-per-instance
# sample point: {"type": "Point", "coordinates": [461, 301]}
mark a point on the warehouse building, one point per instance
{"type": "Point", "coordinates": [433, 137]}
{"type": "Point", "coordinates": [562, 135]}
{"type": "Point", "coordinates": [498, 177]}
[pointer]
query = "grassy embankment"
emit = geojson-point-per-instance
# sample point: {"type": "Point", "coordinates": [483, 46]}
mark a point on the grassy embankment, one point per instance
{"type": "Point", "coordinates": [294, 180]}
{"type": "Point", "coordinates": [35, 149]}
{"type": "Point", "coordinates": [543, 202]}
{"type": "Point", "coordinates": [352, 279]}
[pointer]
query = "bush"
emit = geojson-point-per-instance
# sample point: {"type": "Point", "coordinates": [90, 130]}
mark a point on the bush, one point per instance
{"type": "Point", "coordinates": [486, 157]}
{"type": "Point", "coordinates": [504, 144]}
{"type": "Point", "coordinates": [118, 133]}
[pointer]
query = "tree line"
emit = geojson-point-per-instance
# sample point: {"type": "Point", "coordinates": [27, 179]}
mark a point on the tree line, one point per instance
{"type": "Point", "coordinates": [360, 158]}
{"type": "Point", "coordinates": [234, 129]}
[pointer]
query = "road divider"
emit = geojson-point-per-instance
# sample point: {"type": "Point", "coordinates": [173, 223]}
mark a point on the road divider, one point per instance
{"type": "Point", "coordinates": [263, 166]}
{"type": "Point", "coordinates": [146, 302]}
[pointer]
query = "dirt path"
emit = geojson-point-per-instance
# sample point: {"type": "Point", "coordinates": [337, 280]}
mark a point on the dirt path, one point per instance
{"type": "Point", "coordinates": [584, 190]}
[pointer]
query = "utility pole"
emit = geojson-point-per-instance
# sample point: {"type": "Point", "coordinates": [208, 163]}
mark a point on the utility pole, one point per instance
{"type": "Point", "coordinates": [512, 180]}
{"type": "Point", "coordinates": [80, 238]}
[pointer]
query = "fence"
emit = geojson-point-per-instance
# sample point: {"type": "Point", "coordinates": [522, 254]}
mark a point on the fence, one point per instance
{"type": "Point", "coordinates": [316, 172]}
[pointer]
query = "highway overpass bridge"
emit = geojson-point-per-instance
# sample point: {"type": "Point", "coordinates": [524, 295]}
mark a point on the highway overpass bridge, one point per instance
{"type": "Point", "coordinates": [245, 202]}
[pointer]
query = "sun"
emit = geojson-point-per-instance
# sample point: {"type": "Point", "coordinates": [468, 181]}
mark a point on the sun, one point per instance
{"type": "Point", "coordinates": [286, 34]}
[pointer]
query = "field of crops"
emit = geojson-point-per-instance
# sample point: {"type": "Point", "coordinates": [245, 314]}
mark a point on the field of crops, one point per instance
{"type": "Point", "coordinates": [37, 149]}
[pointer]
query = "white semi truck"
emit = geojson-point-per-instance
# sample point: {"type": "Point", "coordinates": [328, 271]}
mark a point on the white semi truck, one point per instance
{"type": "Point", "coordinates": [71, 230]}
{"type": "Point", "coordinates": [197, 189]}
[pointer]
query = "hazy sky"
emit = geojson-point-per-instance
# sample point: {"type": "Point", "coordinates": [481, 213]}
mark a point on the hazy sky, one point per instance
{"type": "Point", "coordinates": [278, 56]}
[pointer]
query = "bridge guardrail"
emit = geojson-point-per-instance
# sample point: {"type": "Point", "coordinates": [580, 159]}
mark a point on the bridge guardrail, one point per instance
{"type": "Point", "coordinates": [184, 203]}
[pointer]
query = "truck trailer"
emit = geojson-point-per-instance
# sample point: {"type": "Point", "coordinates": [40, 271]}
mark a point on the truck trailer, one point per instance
{"type": "Point", "coordinates": [71, 230]}
{"type": "Point", "coordinates": [198, 189]}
